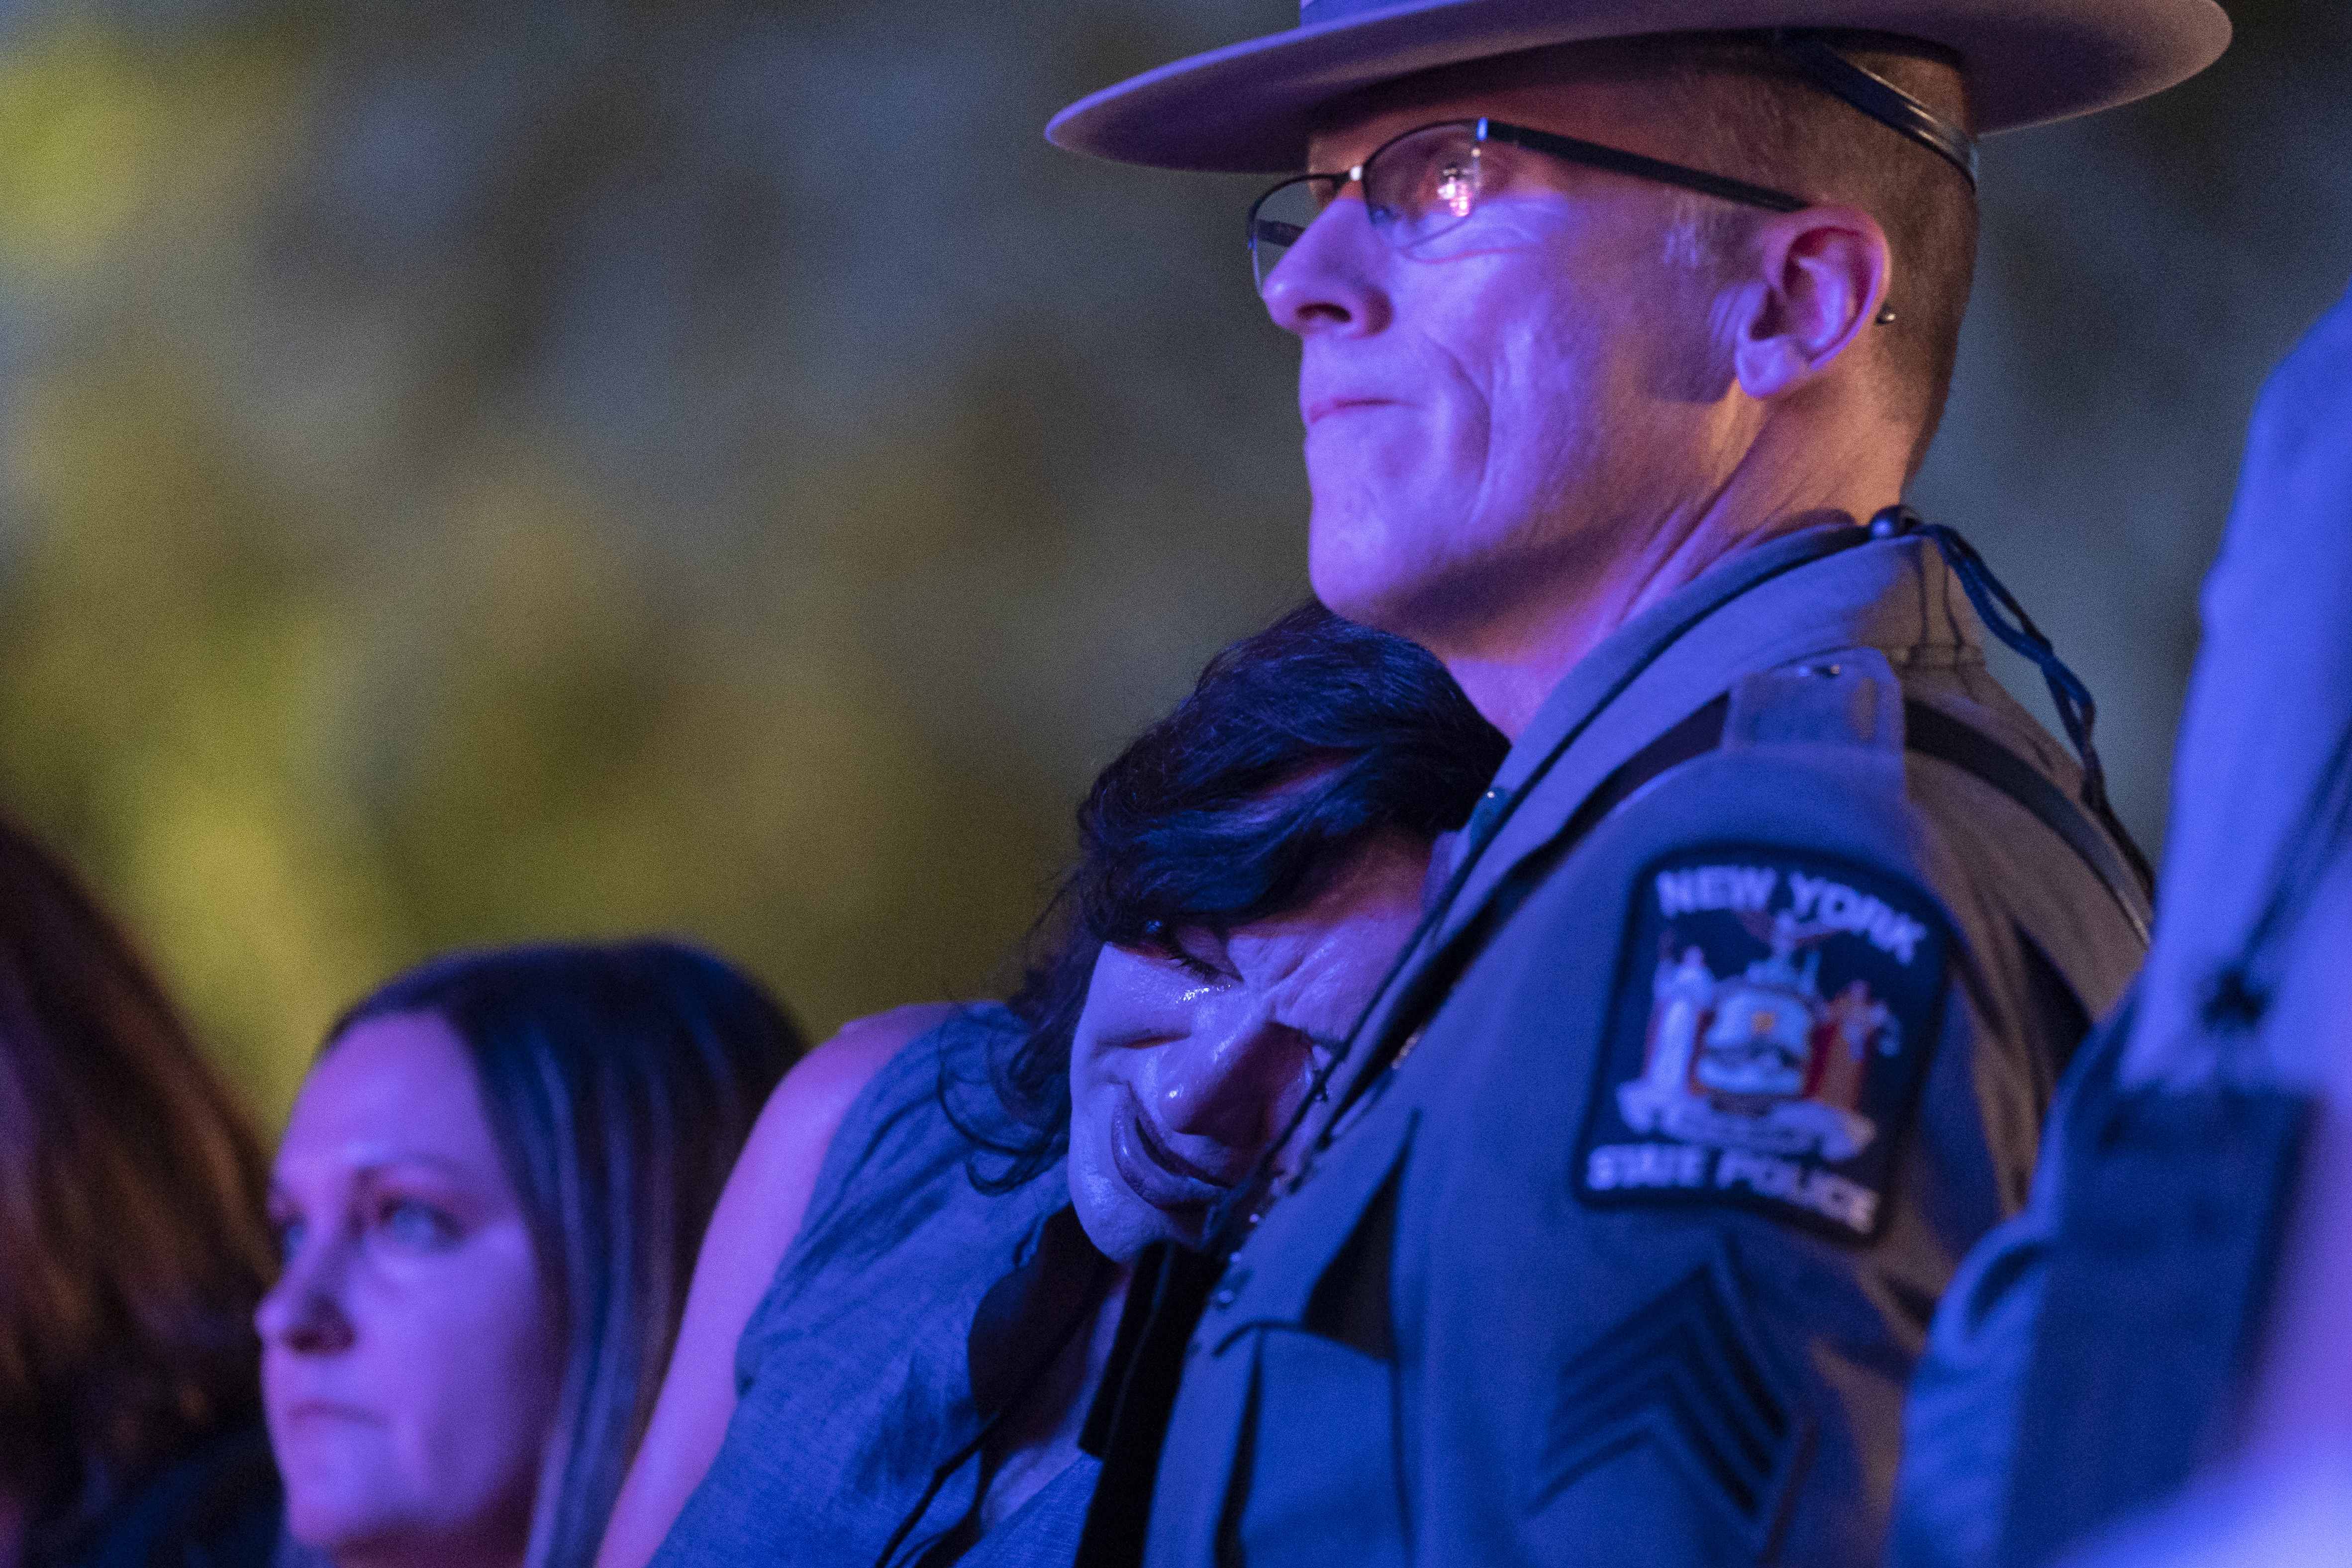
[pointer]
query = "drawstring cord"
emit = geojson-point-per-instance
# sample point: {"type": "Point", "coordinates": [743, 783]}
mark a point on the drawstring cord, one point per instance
{"type": "Point", "coordinates": [2077, 709]}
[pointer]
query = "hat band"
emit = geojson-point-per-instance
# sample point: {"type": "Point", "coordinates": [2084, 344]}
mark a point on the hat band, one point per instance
{"type": "Point", "coordinates": [1880, 99]}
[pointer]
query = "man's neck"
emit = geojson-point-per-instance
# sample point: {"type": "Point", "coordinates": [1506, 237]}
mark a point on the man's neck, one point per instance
{"type": "Point", "coordinates": [1510, 668]}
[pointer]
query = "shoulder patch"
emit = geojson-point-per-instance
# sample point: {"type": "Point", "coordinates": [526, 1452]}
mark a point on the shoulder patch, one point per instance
{"type": "Point", "coordinates": [1774, 1016]}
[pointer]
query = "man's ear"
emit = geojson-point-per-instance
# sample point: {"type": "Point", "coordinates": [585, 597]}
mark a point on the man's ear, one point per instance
{"type": "Point", "coordinates": [1818, 280]}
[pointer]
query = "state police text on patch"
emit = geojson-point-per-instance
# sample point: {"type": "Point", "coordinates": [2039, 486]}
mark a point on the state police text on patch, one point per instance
{"type": "Point", "coordinates": [1771, 1026]}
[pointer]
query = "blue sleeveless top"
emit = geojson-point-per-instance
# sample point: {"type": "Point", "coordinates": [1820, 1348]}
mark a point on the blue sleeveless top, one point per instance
{"type": "Point", "coordinates": [853, 1378]}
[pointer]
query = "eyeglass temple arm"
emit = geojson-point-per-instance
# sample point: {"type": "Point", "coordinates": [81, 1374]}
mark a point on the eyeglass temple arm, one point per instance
{"type": "Point", "coordinates": [1618, 162]}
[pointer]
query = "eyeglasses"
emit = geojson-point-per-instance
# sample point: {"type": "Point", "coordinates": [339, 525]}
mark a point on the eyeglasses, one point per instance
{"type": "Point", "coordinates": [1427, 183]}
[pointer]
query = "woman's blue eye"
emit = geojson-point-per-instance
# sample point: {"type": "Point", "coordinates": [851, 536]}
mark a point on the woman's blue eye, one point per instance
{"type": "Point", "coordinates": [289, 1239]}
{"type": "Point", "coordinates": [414, 1224]}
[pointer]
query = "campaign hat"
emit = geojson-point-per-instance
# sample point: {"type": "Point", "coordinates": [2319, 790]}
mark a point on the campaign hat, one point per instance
{"type": "Point", "coordinates": [1249, 107]}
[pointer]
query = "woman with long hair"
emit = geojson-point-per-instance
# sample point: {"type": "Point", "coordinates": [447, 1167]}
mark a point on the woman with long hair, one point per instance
{"type": "Point", "coordinates": [488, 1200]}
{"type": "Point", "coordinates": [957, 1196]}
{"type": "Point", "coordinates": [132, 1249]}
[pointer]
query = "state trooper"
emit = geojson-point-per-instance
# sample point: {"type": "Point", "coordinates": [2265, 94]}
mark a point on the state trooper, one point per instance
{"type": "Point", "coordinates": [1616, 1228]}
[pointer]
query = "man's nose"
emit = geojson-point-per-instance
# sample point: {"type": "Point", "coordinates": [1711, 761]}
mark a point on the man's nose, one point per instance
{"type": "Point", "coordinates": [1329, 280]}
{"type": "Point", "coordinates": [1230, 1086]}
{"type": "Point", "coordinates": [304, 1311]}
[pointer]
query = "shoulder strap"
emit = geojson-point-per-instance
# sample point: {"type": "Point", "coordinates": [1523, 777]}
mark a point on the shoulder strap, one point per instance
{"type": "Point", "coordinates": [1932, 732]}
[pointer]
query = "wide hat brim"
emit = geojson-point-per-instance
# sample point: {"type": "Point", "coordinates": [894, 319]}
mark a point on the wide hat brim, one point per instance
{"type": "Point", "coordinates": [1247, 108]}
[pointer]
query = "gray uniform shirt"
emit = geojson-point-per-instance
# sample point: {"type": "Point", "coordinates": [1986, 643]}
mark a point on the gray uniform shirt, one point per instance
{"type": "Point", "coordinates": [1628, 1257]}
{"type": "Point", "coordinates": [853, 1382]}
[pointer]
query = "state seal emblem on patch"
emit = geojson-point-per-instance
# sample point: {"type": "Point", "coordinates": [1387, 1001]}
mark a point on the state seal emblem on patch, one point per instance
{"type": "Point", "coordinates": [1773, 1020]}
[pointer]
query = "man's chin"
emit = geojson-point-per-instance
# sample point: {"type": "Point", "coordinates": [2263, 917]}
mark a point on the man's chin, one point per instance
{"type": "Point", "coordinates": [1357, 585]}
{"type": "Point", "coordinates": [1445, 604]}
{"type": "Point", "coordinates": [1375, 594]}
{"type": "Point", "coordinates": [1381, 563]}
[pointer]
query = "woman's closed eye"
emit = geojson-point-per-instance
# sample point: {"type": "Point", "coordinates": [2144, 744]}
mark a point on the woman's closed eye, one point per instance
{"type": "Point", "coordinates": [1198, 967]}
{"type": "Point", "coordinates": [1199, 953]}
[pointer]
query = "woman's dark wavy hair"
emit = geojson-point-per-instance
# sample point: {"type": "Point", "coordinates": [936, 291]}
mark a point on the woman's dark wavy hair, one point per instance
{"type": "Point", "coordinates": [134, 1236]}
{"type": "Point", "coordinates": [1185, 829]}
{"type": "Point", "coordinates": [621, 1083]}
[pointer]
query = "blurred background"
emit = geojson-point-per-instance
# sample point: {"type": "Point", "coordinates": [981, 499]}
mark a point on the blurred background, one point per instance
{"type": "Point", "coordinates": [584, 466]}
